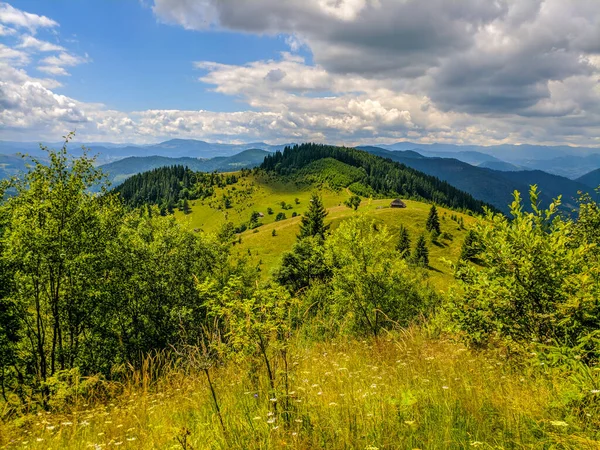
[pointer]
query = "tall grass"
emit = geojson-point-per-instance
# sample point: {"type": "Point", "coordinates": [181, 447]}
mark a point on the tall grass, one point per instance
{"type": "Point", "coordinates": [402, 391]}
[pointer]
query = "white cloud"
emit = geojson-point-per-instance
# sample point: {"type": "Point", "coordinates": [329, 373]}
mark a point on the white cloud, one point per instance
{"type": "Point", "coordinates": [30, 42]}
{"type": "Point", "coordinates": [54, 70]}
{"type": "Point", "coordinates": [13, 56]}
{"type": "Point", "coordinates": [13, 16]}
{"type": "Point", "coordinates": [6, 31]}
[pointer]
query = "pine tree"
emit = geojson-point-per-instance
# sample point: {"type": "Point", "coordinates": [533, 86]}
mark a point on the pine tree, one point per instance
{"type": "Point", "coordinates": [420, 254]}
{"type": "Point", "coordinates": [471, 247]}
{"type": "Point", "coordinates": [433, 221]}
{"type": "Point", "coordinates": [186, 206]}
{"type": "Point", "coordinates": [403, 246]}
{"type": "Point", "coordinates": [313, 222]}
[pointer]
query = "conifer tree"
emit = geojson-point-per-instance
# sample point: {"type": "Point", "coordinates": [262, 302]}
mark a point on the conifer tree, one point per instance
{"type": "Point", "coordinates": [420, 254]}
{"type": "Point", "coordinates": [433, 221]}
{"type": "Point", "coordinates": [403, 246]}
{"type": "Point", "coordinates": [313, 222]}
{"type": "Point", "coordinates": [471, 247]}
{"type": "Point", "coordinates": [186, 206]}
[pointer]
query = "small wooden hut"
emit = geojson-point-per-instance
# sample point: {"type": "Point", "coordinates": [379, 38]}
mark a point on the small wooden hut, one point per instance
{"type": "Point", "coordinates": [397, 204]}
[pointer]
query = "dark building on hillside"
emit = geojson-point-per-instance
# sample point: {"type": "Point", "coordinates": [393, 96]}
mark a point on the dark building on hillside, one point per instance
{"type": "Point", "coordinates": [398, 204]}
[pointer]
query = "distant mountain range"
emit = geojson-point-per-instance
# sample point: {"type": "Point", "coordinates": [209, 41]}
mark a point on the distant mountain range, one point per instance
{"type": "Point", "coordinates": [120, 170]}
{"type": "Point", "coordinates": [175, 148]}
{"type": "Point", "coordinates": [491, 186]}
{"type": "Point", "coordinates": [570, 162]}
{"type": "Point", "coordinates": [490, 174]}
{"type": "Point", "coordinates": [591, 179]}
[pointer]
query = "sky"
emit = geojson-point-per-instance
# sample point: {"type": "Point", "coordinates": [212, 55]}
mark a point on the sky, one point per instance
{"type": "Point", "coordinates": [338, 71]}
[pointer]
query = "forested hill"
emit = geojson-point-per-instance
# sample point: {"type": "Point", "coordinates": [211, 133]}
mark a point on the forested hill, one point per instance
{"type": "Point", "coordinates": [169, 186]}
{"type": "Point", "coordinates": [384, 176]}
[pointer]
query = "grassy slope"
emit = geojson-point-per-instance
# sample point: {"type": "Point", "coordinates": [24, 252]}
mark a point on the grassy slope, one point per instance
{"type": "Point", "coordinates": [265, 249]}
{"type": "Point", "coordinates": [399, 392]}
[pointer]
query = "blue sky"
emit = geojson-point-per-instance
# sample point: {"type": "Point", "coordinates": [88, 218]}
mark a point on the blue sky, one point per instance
{"type": "Point", "coordinates": [140, 63]}
{"type": "Point", "coordinates": [336, 71]}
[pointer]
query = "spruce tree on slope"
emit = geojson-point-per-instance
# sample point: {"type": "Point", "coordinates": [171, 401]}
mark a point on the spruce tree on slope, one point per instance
{"type": "Point", "coordinates": [433, 221]}
{"type": "Point", "coordinates": [403, 246]}
{"type": "Point", "coordinates": [313, 222]}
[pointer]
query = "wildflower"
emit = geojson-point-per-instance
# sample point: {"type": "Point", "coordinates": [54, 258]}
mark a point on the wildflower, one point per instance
{"type": "Point", "coordinates": [273, 400]}
{"type": "Point", "coordinates": [294, 434]}
{"type": "Point", "coordinates": [409, 422]}
{"type": "Point", "coordinates": [298, 420]}
{"type": "Point", "coordinates": [66, 424]}
{"type": "Point", "coordinates": [271, 420]}
{"type": "Point", "coordinates": [595, 391]}
{"type": "Point", "coordinates": [445, 387]}
{"type": "Point", "coordinates": [39, 439]}
{"type": "Point", "coordinates": [559, 423]}
{"type": "Point", "coordinates": [130, 439]}
{"type": "Point", "coordinates": [255, 395]}
{"type": "Point", "coordinates": [50, 427]}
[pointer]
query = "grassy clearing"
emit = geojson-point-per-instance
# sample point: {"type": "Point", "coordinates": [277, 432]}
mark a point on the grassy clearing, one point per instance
{"type": "Point", "coordinates": [402, 391]}
{"type": "Point", "coordinates": [257, 193]}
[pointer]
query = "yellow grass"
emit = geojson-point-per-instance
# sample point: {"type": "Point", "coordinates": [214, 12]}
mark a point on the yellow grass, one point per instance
{"type": "Point", "coordinates": [399, 392]}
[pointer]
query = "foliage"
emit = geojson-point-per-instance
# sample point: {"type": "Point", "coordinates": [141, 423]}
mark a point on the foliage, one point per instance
{"type": "Point", "coordinates": [304, 264]}
{"type": "Point", "coordinates": [420, 254]}
{"type": "Point", "coordinates": [373, 289]}
{"type": "Point", "coordinates": [403, 245]}
{"type": "Point", "coordinates": [89, 285]}
{"type": "Point", "coordinates": [313, 222]}
{"type": "Point", "coordinates": [433, 221]}
{"type": "Point", "coordinates": [353, 202]}
{"type": "Point", "coordinates": [539, 284]}
{"type": "Point", "coordinates": [471, 247]}
{"type": "Point", "coordinates": [168, 185]}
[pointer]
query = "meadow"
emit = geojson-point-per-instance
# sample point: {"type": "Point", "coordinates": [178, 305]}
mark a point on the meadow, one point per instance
{"type": "Point", "coordinates": [409, 389]}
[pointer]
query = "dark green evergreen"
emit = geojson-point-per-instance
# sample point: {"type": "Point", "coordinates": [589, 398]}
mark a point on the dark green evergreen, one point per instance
{"type": "Point", "coordinates": [471, 247]}
{"type": "Point", "coordinates": [313, 222]}
{"type": "Point", "coordinates": [420, 255]}
{"type": "Point", "coordinates": [403, 245]}
{"type": "Point", "coordinates": [433, 221]}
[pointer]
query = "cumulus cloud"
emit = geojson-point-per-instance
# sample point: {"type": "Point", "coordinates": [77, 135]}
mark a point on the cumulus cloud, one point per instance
{"type": "Point", "coordinates": [474, 71]}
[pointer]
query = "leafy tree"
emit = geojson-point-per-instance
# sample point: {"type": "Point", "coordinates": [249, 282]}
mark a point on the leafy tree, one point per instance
{"type": "Point", "coordinates": [403, 245]}
{"type": "Point", "coordinates": [55, 238]}
{"type": "Point", "coordinates": [420, 255]}
{"type": "Point", "coordinates": [270, 211]}
{"type": "Point", "coordinates": [297, 201]}
{"type": "Point", "coordinates": [313, 222]}
{"type": "Point", "coordinates": [353, 202]}
{"type": "Point", "coordinates": [373, 289]}
{"type": "Point", "coordinates": [433, 221]}
{"type": "Point", "coordinates": [280, 216]}
{"type": "Point", "coordinates": [539, 284]}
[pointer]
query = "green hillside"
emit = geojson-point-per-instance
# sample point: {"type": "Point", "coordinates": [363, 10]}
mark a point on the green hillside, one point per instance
{"type": "Point", "coordinates": [258, 192]}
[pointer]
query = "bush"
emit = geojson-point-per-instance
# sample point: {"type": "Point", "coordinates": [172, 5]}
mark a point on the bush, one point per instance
{"type": "Point", "coordinates": [539, 285]}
